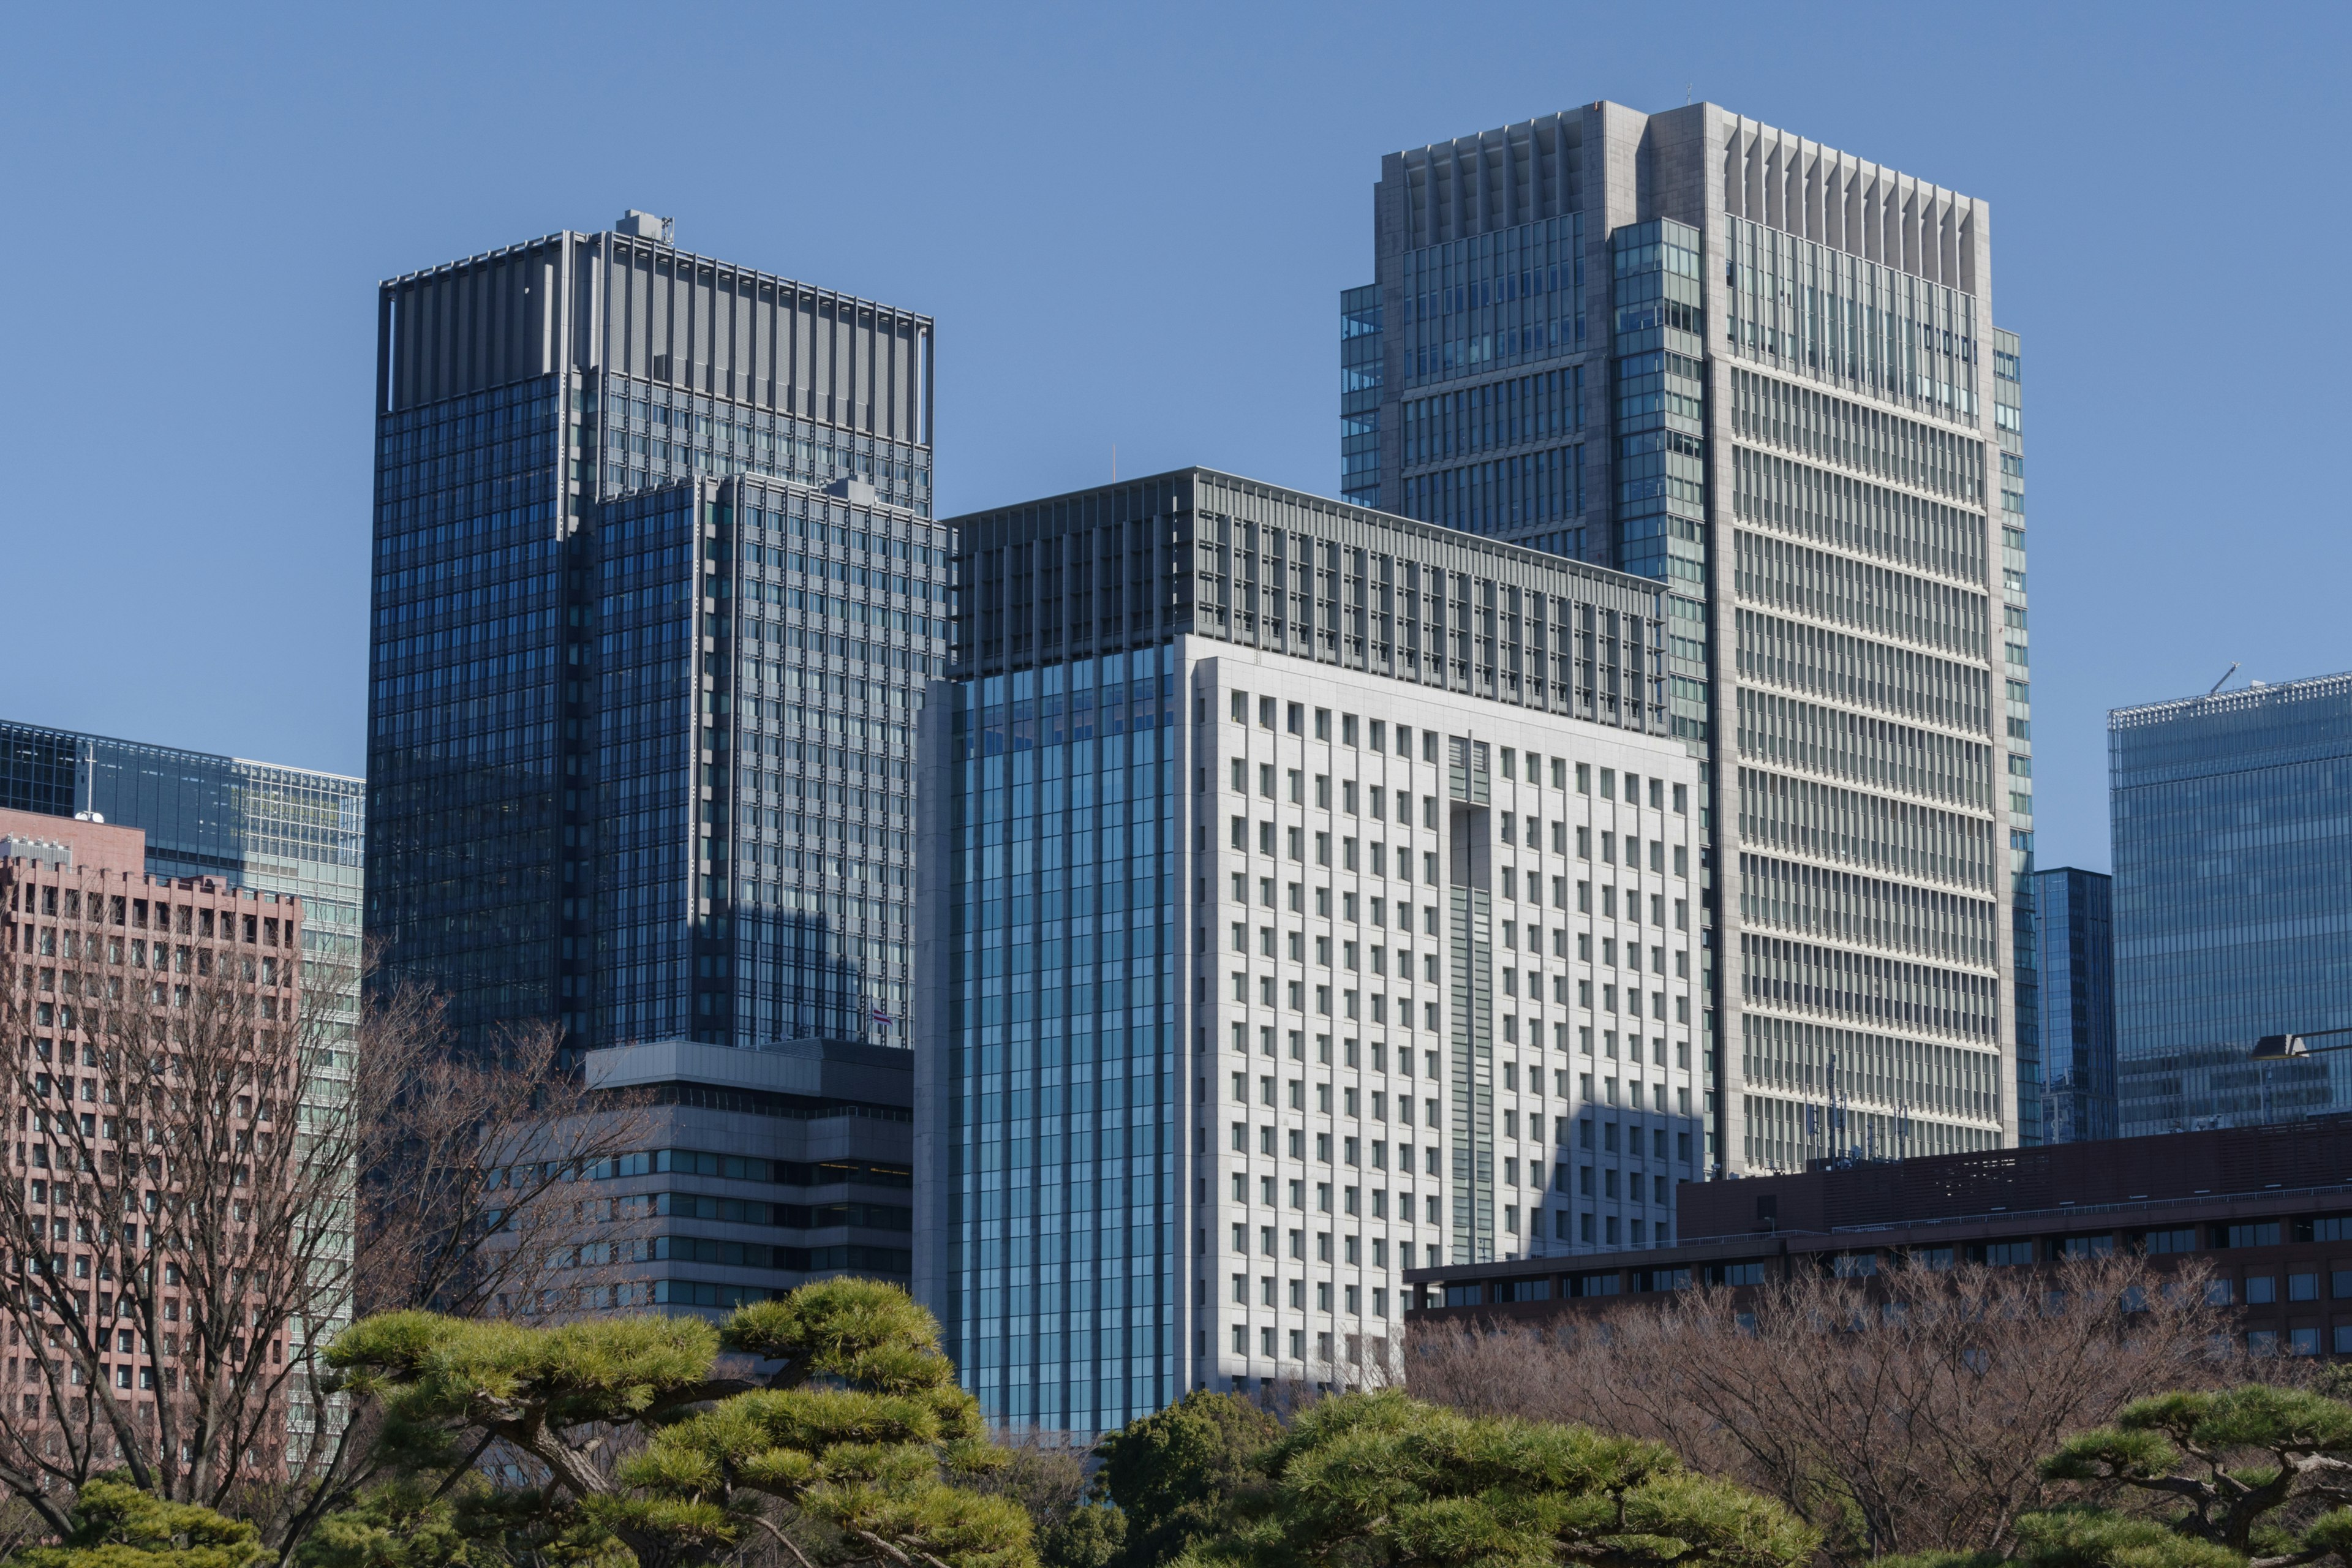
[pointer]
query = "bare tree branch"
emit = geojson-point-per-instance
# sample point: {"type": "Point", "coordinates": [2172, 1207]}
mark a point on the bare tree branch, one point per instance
{"type": "Point", "coordinates": [1898, 1413]}
{"type": "Point", "coordinates": [204, 1121]}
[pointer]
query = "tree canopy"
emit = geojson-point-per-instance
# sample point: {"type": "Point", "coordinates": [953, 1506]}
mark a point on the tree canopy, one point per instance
{"type": "Point", "coordinates": [2252, 1477]}
{"type": "Point", "coordinates": [1174, 1474]}
{"type": "Point", "coordinates": [850, 1449]}
{"type": "Point", "coordinates": [1381, 1480]}
{"type": "Point", "coordinates": [116, 1525]}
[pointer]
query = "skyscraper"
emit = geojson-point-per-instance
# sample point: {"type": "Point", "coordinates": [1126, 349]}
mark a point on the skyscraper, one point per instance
{"type": "Point", "coordinates": [1761, 373]}
{"type": "Point", "coordinates": [656, 589]}
{"type": "Point", "coordinates": [2233, 823]}
{"type": "Point", "coordinates": [1308, 894]}
{"type": "Point", "coordinates": [2075, 961]}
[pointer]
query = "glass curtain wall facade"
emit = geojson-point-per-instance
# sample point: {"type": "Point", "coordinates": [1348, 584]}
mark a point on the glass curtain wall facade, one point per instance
{"type": "Point", "coordinates": [653, 588]}
{"type": "Point", "coordinates": [1061, 1098]}
{"type": "Point", "coordinates": [272, 829]}
{"type": "Point", "coordinates": [2076, 972]}
{"type": "Point", "coordinates": [1785, 409]}
{"type": "Point", "coordinates": [2232, 818]}
{"type": "Point", "coordinates": [759, 661]}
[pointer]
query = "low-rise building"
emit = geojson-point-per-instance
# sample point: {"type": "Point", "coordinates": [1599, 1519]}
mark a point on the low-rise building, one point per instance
{"type": "Point", "coordinates": [2268, 1209]}
{"type": "Point", "coordinates": [759, 1170]}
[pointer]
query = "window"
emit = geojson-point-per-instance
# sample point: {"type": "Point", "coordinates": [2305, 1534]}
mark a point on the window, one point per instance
{"type": "Point", "coordinates": [2262, 1233]}
{"type": "Point", "coordinates": [2183, 1240]}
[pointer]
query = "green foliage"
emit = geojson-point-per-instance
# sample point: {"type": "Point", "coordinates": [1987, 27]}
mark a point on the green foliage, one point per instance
{"type": "Point", "coordinates": [853, 1447]}
{"type": "Point", "coordinates": [1175, 1474]}
{"type": "Point", "coordinates": [1073, 1530]}
{"type": "Point", "coordinates": [439, 1370]}
{"type": "Point", "coordinates": [401, 1525]}
{"type": "Point", "coordinates": [864, 1452]}
{"type": "Point", "coordinates": [116, 1525]}
{"type": "Point", "coordinates": [2239, 1470]}
{"type": "Point", "coordinates": [1378, 1479]}
{"type": "Point", "coordinates": [2085, 1538]}
{"type": "Point", "coordinates": [1092, 1535]}
{"type": "Point", "coordinates": [2207, 1480]}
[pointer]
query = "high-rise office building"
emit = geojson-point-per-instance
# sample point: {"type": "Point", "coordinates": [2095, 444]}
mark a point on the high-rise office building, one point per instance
{"type": "Point", "coordinates": [657, 589]}
{"type": "Point", "coordinates": [295, 832]}
{"type": "Point", "coordinates": [1310, 894]}
{"type": "Point", "coordinates": [2017, 724]}
{"type": "Point", "coordinates": [2074, 962]}
{"type": "Point", "coordinates": [1762, 374]}
{"type": "Point", "coordinates": [2232, 817]}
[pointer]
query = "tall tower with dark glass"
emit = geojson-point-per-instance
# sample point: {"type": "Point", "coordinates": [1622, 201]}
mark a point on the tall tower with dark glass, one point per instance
{"type": "Point", "coordinates": [2076, 967]}
{"type": "Point", "coordinates": [656, 590]}
{"type": "Point", "coordinates": [1762, 374]}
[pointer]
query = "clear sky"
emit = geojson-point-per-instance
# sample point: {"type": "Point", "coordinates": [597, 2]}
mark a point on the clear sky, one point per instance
{"type": "Point", "coordinates": [1131, 223]}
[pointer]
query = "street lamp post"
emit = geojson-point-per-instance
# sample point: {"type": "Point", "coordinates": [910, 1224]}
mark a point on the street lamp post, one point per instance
{"type": "Point", "coordinates": [2290, 1047]}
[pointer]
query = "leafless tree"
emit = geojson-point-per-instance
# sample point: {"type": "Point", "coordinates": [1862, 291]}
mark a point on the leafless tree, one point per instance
{"type": "Point", "coordinates": [1898, 1413]}
{"type": "Point", "coordinates": [471, 1169]}
{"type": "Point", "coordinates": [220, 1152]}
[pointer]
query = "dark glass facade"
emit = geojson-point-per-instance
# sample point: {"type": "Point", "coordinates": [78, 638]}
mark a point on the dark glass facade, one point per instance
{"type": "Point", "coordinates": [760, 659]}
{"type": "Point", "coordinates": [654, 594]}
{"type": "Point", "coordinates": [467, 681]}
{"type": "Point", "coordinates": [2232, 825]}
{"type": "Point", "coordinates": [2074, 970]}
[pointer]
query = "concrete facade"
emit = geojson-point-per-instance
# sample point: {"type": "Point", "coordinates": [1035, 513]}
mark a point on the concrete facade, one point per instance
{"type": "Point", "coordinates": [761, 1170]}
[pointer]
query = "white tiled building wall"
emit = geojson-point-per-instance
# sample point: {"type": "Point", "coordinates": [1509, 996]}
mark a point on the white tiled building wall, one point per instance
{"type": "Point", "coordinates": [1341, 1129]}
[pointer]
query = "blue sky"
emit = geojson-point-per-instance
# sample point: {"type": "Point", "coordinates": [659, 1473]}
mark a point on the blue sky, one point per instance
{"type": "Point", "coordinates": [1132, 224]}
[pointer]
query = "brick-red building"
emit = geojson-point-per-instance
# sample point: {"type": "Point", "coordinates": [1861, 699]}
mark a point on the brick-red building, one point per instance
{"type": "Point", "coordinates": [118, 984]}
{"type": "Point", "coordinates": [2268, 1208]}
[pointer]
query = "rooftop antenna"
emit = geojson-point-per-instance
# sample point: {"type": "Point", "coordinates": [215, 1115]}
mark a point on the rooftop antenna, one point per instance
{"type": "Point", "coordinates": [2225, 675]}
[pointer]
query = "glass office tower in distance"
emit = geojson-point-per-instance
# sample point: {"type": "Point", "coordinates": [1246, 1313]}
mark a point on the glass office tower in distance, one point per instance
{"type": "Point", "coordinates": [2074, 962]}
{"type": "Point", "coordinates": [2232, 816]}
{"type": "Point", "coordinates": [1310, 897]}
{"type": "Point", "coordinates": [256, 826]}
{"type": "Point", "coordinates": [655, 587]}
{"type": "Point", "coordinates": [1763, 375]}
